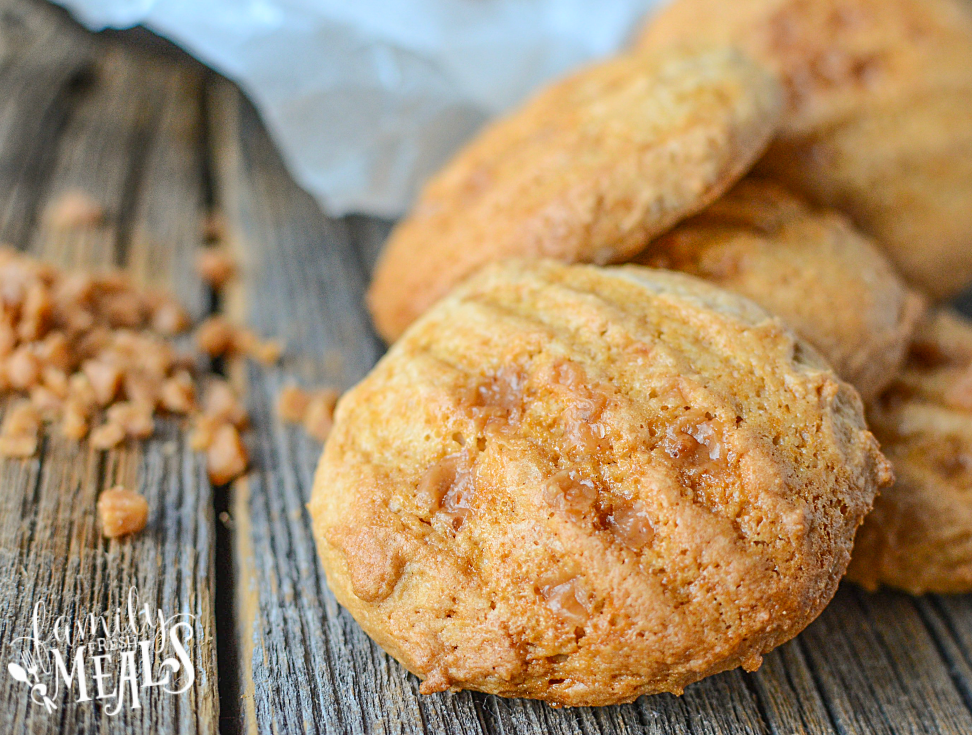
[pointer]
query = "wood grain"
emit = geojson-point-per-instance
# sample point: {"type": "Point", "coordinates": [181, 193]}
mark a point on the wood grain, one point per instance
{"type": "Point", "coordinates": [160, 141]}
{"type": "Point", "coordinates": [128, 134]}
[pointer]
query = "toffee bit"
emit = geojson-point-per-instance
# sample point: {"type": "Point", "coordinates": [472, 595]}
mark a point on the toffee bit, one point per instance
{"type": "Point", "coordinates": [319, 418]}
{"type": "Point", "coordinates": [215, 266]}
{"type": "Point", "coordinates": [178, 393]}
{"type": "Point", "coordinates": [267, 352]}
{"type": "Point", "coordinates": [292, 404]}
{"type": "Point", "coordinates": [220, 402]}
{"type": "Point", "coordinates": [23, 368]}
{"type": "Point", "coordinates": [314, 410]}
{"type": "Point", "coordinates": [74, 209]}
{"type": "Point", "coordinates": [74, 423]}
{"type": "Point", "coordinates": [122, 512]}
{"type": "Point", "coordinates": [104, 378]}
{"type": "Point", "coordinates": [215, 336]}
{"type": "Point", "coordinates": [226, 457]}
{"type": "Point", "coordinates": [203, 429]}
{"type": "Point", "coordinates": [107, 436]}
{"type": "Point", "coordinates": [20, 429]}
{"type": "Point", "coordinates": [94, 355]}
{"type": "Point", "coordinates": [135, 419]}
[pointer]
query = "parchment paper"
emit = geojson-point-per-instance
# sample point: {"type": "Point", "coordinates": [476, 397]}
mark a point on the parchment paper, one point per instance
{"type": "Point", "coordinates": [366, 98]}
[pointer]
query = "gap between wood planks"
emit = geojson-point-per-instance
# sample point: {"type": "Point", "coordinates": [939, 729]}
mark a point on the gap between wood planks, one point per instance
{"type": "Point", "coordinates": [231, 694]}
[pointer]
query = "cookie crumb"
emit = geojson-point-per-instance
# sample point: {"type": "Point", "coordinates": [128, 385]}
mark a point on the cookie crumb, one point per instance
{"type": "Point", "coordinates": [122, 512]}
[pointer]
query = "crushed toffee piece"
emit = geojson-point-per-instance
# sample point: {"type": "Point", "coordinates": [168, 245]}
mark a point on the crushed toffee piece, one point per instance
{"type": "Point", "coordinates": [74, 209]}
{"type": "Point", "coordinates": [122, 512]}
{"type": "Point", "coordinates": [313, 409]}
{"type": "Point", "coordinates": [215, 266]}
{"type": "Point", "coordinates": [94, 356]}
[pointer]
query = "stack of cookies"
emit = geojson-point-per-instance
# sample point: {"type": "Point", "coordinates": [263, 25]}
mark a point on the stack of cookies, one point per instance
{"type": "Point", "coordinates": [583, 482]}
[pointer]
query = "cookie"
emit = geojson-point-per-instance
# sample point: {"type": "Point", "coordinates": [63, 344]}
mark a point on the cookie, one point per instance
{"type": "Point", "coordinates": [584, 484]}
{"type": "Point", "coordinates": [878, 120]}
{"type": "Point", "coordinates": [919, 537]}
{"type": "Point", "coordinates": [588, 171]}
{"type": "Point", "coordinates": [810, 267]}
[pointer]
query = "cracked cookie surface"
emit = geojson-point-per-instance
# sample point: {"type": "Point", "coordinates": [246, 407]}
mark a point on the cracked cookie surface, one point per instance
{"type": "Point", "coordinates": [584, 484]}
{"type": "Point", "coordinates": [589, 171]}
{"type": "Point", "coordinates": [808, 266]}
{"type": "Point", "coordinates": [878, 119]}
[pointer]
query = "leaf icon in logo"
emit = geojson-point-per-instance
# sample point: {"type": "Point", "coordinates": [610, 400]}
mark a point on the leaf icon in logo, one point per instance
{"type": "Point", "coordinates": [18, 673]}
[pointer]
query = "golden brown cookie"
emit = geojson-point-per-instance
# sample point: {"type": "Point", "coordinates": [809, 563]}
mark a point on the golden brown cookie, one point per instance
{"type": "Point", "coordinates": [588, 171]}
{"type": "Point", "coordinates": [879, 113]}
{"type": "Point", "coordinates": [585, 484]}
{"type": "Point", "coordinates": [919, 537]}
{"type": "Point", "coordinates": [810, 267]}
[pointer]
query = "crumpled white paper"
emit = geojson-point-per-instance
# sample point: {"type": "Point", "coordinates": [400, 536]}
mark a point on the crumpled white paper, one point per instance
{"type": "Point", "coordinates": [366, 98]}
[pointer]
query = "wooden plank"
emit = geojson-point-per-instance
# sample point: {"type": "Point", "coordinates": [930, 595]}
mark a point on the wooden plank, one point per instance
{"type": "Point", "coordinates": [45, 65]}
{"type": "Point", "coordinates": [879, 669]}
{"type": "Point", "coordinates": [791, 700]}
{"type": "Point", "coordinates": [949, 619]}
{"type": "Point", "coordinates": [131, 139]}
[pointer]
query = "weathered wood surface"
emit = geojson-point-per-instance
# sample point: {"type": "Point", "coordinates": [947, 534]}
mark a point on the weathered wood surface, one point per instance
{"type": "Point", "coordinates": [160, 141]}
{"type": "Point", "coordinates": [109, 119]}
